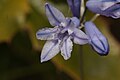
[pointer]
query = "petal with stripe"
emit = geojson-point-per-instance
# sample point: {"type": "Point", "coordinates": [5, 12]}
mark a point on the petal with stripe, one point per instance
{"type": "Point", "coordinates": [47, 33]}
{"type": "Point", "coordinates": [55, 17]}
{"type": "Point", "coordinates": [80, 37]}
{"type": "Point", "coordinates": [66, 48]}
{"type": "Point", "coordinates": [50, 49]}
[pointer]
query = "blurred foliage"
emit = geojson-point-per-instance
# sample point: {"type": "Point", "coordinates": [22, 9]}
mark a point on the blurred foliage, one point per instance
{"type": "Point", "coordinates": [20, 50]}
{"type": "Point", "coordinates": [11, 13]}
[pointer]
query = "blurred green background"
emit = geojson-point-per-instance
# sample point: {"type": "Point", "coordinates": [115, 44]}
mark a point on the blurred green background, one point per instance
{"type": "Point", "coordinates": [20, 50]}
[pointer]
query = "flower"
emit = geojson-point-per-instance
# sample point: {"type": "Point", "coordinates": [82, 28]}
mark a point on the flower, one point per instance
{"type": "Point", "coordinates": [75, 7]}
{"type": "Point", "coordinates": [109, 8]}
{"type": "Point", "coordinates": [96, 39]}
{"type": "Point", "coordinates": [60, 37]}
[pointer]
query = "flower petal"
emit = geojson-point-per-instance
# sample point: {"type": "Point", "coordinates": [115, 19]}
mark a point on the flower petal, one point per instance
{"type": "Point", "coordinates": [75, 7]}
{"type": "Point", "coordinates": [116, 14]}
{"type": "Point", "coordinates": [94, 6]}
{"type": "Point", "coordinates": [80, 37]}
{"type": "Point", "coordinates": [96, 39]}
{"type": "Point", "coordinates": [69, 27]}
{"type": "Point", "coordinates": [47, 33]}
{"type": "Point", "coordinates": [91, 30]}
{"type": "Point", "coordinates": [55, 17]}
{"type": "Point", "coordinates": [106, 5]}
{"type": "Point", "coordinates": [109, 8]}
{"type": "Point", "coordinates": [99, 44]}
{"type": "Point", "coordinates": [66, 48]}
{"type": "Point", "coordinates": [118, 0]}
{"type": "Point", "coordinates": [76, 21]}
{"type": "Point", "coordinates": [50, 49]}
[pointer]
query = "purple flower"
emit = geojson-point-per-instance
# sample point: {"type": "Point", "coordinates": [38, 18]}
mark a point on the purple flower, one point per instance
{"type": "Point", "coordinates": [60, 37]}
{"type": "Point", "coordinates": [96, 39]}
{"type": "Point", "coordinates": [109, 8]}
{"type": "Point", "coordinates": [75, 7]}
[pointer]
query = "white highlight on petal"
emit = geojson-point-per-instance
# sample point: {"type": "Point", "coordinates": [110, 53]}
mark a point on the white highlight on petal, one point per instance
{"type": "Point", "coordinates": [106, 5]}
{"type": "Point", "coordinates": [70, 31]}
{"type": "Point", "coordinates": [63, 24]}
{"type": "Point", "coordinates": [116, 14]}
{"type": "Point", "coordinates": [66, 48]}
{"type": "Point", "coordinates": [118, 0]}
{"type": "Point", "coordinates": [50, 49]}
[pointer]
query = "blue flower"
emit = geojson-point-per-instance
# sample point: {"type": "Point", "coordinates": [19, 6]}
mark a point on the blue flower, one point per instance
{"type": "Point", "coordinates": [109, 8]}
{"type": "Point", "coordinates": [75, 7]}
{"type": "Point", "coordinates": [60, 37]}
{"type": "Point", "coordinates": [96, 39]}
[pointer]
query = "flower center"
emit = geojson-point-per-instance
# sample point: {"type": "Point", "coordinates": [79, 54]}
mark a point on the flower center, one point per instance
{"type": "Point", "coordinates": [63, 24]}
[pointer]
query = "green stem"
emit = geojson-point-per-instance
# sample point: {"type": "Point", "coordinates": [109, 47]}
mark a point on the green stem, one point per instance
{"type": "Point", "coordinates": [95, 17]}
{"type": "Point", "coordinates": [83, 16]}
